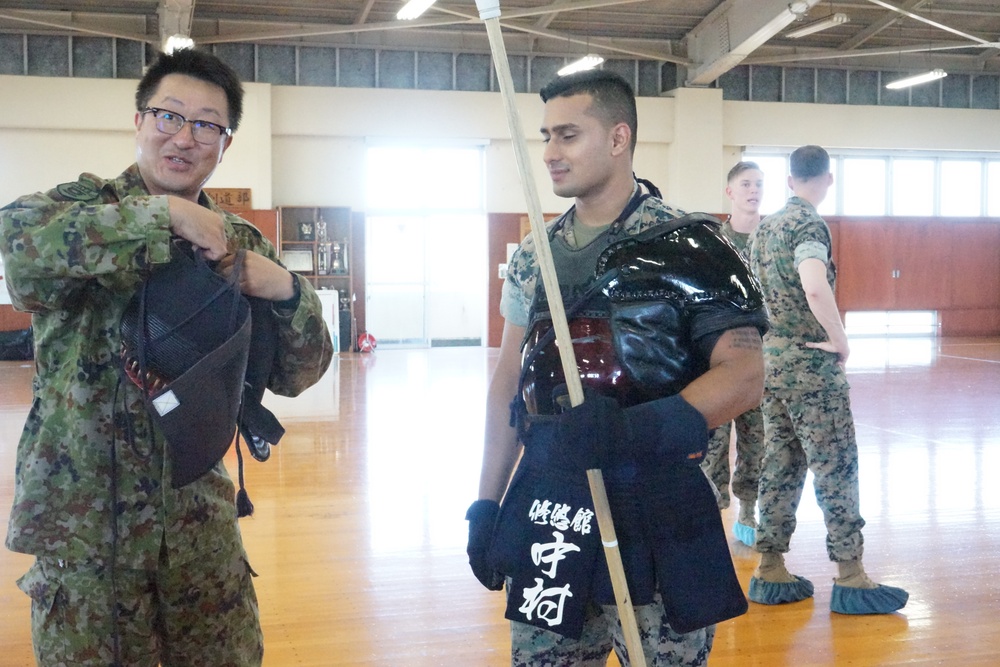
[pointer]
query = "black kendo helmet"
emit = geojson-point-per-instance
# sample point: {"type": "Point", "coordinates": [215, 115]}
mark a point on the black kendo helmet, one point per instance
{"type": "Point", "coordinates": [186, 335]}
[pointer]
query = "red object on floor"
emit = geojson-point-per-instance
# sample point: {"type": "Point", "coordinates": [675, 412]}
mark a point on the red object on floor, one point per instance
{"type": "Point", "coordinates": [366, 342]}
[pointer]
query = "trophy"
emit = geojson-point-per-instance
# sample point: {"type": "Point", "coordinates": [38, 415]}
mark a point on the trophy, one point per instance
{"type": "Point", "coordinates": [323, 258]}
{"type": "Point", "coordinates": [337, 262]}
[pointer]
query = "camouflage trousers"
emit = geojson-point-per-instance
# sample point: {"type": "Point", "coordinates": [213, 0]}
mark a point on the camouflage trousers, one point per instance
{"type": "Point", "coordinates": [602, 633]}
{"type": "Point", "coordinates": [749, 454]}
{"type": "Point", "coordinates": [201, 613]}
{"type": "Point", "coordinates": [810, 431]}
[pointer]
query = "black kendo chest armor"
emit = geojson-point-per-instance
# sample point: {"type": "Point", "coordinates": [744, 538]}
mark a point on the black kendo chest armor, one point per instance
{"type": "Point", "coordinates": [630, 315]}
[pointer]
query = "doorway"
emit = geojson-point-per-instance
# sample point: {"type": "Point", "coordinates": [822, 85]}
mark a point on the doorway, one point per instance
{"type": "Point", "coordinates": [425, 246]}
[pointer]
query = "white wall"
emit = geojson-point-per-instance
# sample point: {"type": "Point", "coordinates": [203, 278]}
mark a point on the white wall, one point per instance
{"type": "Point", "coordinates": [54, 129]}
{"type": "Point", "coordinates": [319, 154]}
{"type": "Point", "coordinates": [306, 145]}
{"type": "Point", "coordinates": [849, 126]}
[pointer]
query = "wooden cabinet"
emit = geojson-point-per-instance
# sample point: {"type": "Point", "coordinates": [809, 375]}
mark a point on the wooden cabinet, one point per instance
{"type": "Point", "coordinates": [317, 242]}
{"type": "Point", "coordinates": [894, 265]}
{"type": "Point", "coordinates": [948, 265]}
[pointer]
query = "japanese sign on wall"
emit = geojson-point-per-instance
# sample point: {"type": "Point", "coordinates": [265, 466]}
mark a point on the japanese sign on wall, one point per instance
{"type": "Point", "coordinates": [231, 199]}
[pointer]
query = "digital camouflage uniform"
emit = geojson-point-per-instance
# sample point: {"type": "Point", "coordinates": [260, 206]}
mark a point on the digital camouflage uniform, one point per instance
{"type": "Point", "coordinates": [74, 256]}
{"type": "Point", "coordinates": [532, 646]}
{"type": "Point", "coordinates": [749, 435]}
{"type": "Point", "coordinates": [807, 413]}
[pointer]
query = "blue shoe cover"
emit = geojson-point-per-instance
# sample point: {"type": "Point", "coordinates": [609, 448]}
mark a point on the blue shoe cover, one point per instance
{"type": "Point", "coordinates": [881, 600]}
{"type": "Point", "coordinates": [769, 592]}
{"type": "Point", "coordinates": [745, 533]}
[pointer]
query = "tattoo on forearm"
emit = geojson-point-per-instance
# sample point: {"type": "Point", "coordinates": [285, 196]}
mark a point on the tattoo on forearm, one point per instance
{"type": "Point", "coordinates": [746, 338]}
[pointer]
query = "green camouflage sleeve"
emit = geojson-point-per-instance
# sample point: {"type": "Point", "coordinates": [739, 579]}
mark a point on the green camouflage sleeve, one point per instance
{"type": "Point", "coordinates": [305, 348]}
{"type": "Point", "coordinates": [519, 285]}
{"type": "Point", "coordinates": [55, 243]}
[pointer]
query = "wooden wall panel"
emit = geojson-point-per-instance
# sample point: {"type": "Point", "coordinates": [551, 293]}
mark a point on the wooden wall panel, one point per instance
{"type": "Point", "coordinates": [923, 265]}
{"type": "Point", "coordinates": [951, 265]}
{"type": "Point", "coordinates": [266, 220]}
{"type": "Point", "coordinates": [12, 320]}
{"type": "Point", "coordinates": [973, 322]}
{"type": "Point", "coordinates": [864, 265]}
{"type": "Point", "coordinates": [976, 256]}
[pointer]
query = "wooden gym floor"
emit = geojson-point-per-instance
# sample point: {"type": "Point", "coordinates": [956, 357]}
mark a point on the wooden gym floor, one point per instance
{"type": "Point", "coordinates": [359, 531]}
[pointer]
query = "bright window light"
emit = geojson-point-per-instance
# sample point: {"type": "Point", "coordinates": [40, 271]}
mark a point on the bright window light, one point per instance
{"type": "Point", "coordinates": [912, 187]}
{"type": "Point", "coordinates": [829, 205]}
{"type": "Point", "coordinates": [891, 323]}
{"type": "Point", "coordinates": [864, 186]}
{"type": "Point", "coordinates": [993, 189]}
{"type": "Point", "coordinates": [407, 178]}
{"type": "Point", "coordinates": [776, 192]}
{"type": "Point", "coordinates": [961, 187]}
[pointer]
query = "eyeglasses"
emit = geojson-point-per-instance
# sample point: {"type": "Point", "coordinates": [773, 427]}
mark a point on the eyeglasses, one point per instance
{"type": "Point", "coordinates": [171, 122]}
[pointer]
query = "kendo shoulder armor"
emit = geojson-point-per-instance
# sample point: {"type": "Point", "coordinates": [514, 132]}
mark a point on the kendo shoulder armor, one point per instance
{"type": "Point", "coordinates": [667, 287]}
{"type": "Point", "coordinates": [687, 259]}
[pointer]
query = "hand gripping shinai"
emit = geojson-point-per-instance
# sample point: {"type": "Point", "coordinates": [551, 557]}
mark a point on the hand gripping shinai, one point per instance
{"type": "Point", "coordinates": [489, 12]}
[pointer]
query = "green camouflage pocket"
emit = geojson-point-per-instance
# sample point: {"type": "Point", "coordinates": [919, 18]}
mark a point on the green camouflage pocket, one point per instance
{"type": "Point", "coordinates": [38, 584]}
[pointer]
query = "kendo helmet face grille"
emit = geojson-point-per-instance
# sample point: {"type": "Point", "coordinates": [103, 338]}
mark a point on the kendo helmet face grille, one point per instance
{"type": "Point", "coordinates": [181, 313]}
{"type": "Point", "coordinates": [185, 341]}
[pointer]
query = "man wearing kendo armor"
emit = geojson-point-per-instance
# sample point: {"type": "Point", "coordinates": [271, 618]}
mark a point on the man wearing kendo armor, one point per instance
{"type": "Point", "coordinates": [666, 322]}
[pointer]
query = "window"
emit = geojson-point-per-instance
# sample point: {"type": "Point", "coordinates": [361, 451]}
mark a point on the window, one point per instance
{"type": "Point", "coordinates": [776, 193]}
{"type": "Point", "coordinates": [864, 186]}
{"type": "Point", "coordinates": [425, 245]}
{"type": "Point", "coordinates": [961, 187]}
{"type": "Point", "coordinates": [993, 189]}
{"type": "Point", "coordinates": [907, 183]}
{"type": "Point", "coordinates": [912, 187]}
{"type": "Point", "coordinates": [831, 205]}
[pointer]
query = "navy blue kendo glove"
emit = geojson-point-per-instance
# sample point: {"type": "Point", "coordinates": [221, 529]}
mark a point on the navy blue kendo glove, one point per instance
{"type": "Point", "coordinates": [668, 428]}
{"type": "Point", "coordinates": [482, 517]}
{"type": "Point", "coordinates": [589, 434]}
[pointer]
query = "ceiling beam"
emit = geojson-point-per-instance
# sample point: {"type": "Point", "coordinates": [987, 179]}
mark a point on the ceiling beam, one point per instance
{"type": "Point", "coordinates": [878, 26]}
{"type": "Point", "coordinates": [733, 31]}
{"type": "Point", "coordinates": [928, 21]}
{"type": "Point", "coordinates": [69, 26]}
{"type": "Point", "coordinates": [363, 14]}
{"type": "Point", "coordinates": [608, 46]}
{"type": "Point", "coordinates": [834, 54]}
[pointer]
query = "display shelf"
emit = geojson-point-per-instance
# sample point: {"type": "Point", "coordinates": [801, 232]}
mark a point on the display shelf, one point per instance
{"type": "Point", "coordinates": [323, 257]}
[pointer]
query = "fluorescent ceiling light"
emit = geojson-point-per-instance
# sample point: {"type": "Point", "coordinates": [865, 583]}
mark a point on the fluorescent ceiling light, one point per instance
{"type": "Point", "coordinates": [917, 79]}
{"type": "Point", "coordinates": [822, 24]}
{"type": "Point", "coordinates": [589, 61]}
{"type": "Point", "coordinates": [413, 9]}
{"type": "Point", "coordinates": [177, 43]}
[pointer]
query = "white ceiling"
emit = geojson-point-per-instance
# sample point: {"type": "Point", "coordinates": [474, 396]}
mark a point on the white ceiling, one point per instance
{"type": "Point", "coordinates": [705, 37]}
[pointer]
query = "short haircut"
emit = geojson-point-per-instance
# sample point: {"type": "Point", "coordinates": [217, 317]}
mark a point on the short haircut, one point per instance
{"type": "Point", "coordinates": [614, 99]}
{"type": "Point", "coordinates": [198, 65]}
{"type": "Point", "coordinates": [809, 162]}
{"type": "Point", "coordinates": [740, 167]}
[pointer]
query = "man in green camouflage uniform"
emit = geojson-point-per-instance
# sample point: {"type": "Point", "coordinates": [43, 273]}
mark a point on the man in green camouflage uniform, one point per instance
{"type": "Point", "coordinates": [129, 570]}
{"type": "Point", "coordinates": [807, 413]}
{"type": "Point", "coordinates": [744, 187]}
